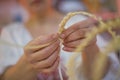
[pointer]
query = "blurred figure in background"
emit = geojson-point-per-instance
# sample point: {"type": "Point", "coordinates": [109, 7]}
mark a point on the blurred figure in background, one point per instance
{"type": "Point", "coordinates": [66, 6]}
{"type": "Point", "coordinates": [15, 62]}
{"type": "Point", "coordinates": [11, 11]}
{"type": "Point", "coordinates": [8, 10]}
{"type": "Point", "coordinates": [5, 16]}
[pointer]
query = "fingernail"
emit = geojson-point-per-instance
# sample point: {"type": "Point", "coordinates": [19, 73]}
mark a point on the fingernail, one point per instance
{"type": "Point", "coordinates": [62, 36]}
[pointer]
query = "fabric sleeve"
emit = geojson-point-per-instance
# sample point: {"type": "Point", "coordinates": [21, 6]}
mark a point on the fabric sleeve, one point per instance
{"type": "Point", "coordinates": [8, 53]}
{"type": "Point", "coordinates": [114, 68]}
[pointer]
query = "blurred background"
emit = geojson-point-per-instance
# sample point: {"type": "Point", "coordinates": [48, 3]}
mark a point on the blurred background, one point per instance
{"type": "Point", "coordinates": [12, 11]}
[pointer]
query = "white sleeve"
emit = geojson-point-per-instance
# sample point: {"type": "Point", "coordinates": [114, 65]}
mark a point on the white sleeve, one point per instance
{"type": "Point", "coordinates": [8, 54]}
{"type": "Point", "coordinates": [114, 68]}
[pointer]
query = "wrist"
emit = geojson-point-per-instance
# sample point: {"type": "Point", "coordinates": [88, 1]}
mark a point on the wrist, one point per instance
{"type": "Point", "coordinates": [90, 54]}
{"type": "Point", "coordinates": [20, 71]}
{"type": "Point", "coordinates": [24, 64]}
{"type": "Point", "coordinates": [91, 50]}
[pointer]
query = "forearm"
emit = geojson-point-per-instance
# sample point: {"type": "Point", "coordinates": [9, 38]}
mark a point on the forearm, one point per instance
{"type": "Point", "coordinates": [20, 71]}
{"type": "Point", "coordinates": [89, 56]}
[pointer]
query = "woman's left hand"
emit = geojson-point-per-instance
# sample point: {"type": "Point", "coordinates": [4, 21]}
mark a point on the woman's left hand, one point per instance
{"type": "Point", "coordinates": [74, 35]}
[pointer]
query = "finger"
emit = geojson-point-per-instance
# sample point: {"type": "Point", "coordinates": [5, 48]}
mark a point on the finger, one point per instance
{"type": "Point", "coordinates": [73, 44]}
{"type": "Point", "coordinates": [52, 68]}
{"type": "Point", "coordinates": [68, 49]}
{"type": "Point", "coordinates": [42, 40]}
{"type": "Point", "coordinates": [74, 27]}
{"type": "Point", "coordinates": [78, 34]}
{"type": "Point", "coordinates": [44, 53]}
{"type": "Point", "coordinates": [76, 43]}
{"type": "Point", "coordinates": [47, 62]}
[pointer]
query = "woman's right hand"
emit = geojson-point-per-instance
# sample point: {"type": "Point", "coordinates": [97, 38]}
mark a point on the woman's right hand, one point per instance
{"type": "Point", "coordinates": [43, 60]}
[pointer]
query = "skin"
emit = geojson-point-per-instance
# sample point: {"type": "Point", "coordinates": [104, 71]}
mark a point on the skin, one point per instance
{"type": "Point", "coordinates": [73, 36]}
{"type": "Point", "coordinates": [31, 63]}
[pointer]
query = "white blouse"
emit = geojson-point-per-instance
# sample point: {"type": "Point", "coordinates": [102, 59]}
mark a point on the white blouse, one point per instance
{"type": "Point", "coordinates": [17, 34]}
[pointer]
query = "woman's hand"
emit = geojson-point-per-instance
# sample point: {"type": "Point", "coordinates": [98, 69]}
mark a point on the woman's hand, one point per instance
{"type": "Point", "coordinates": [43, 60]}
{"type": "Point", "coordinates": [35, 60]}
{"type": "Point", "coordinates": [76, 34]}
